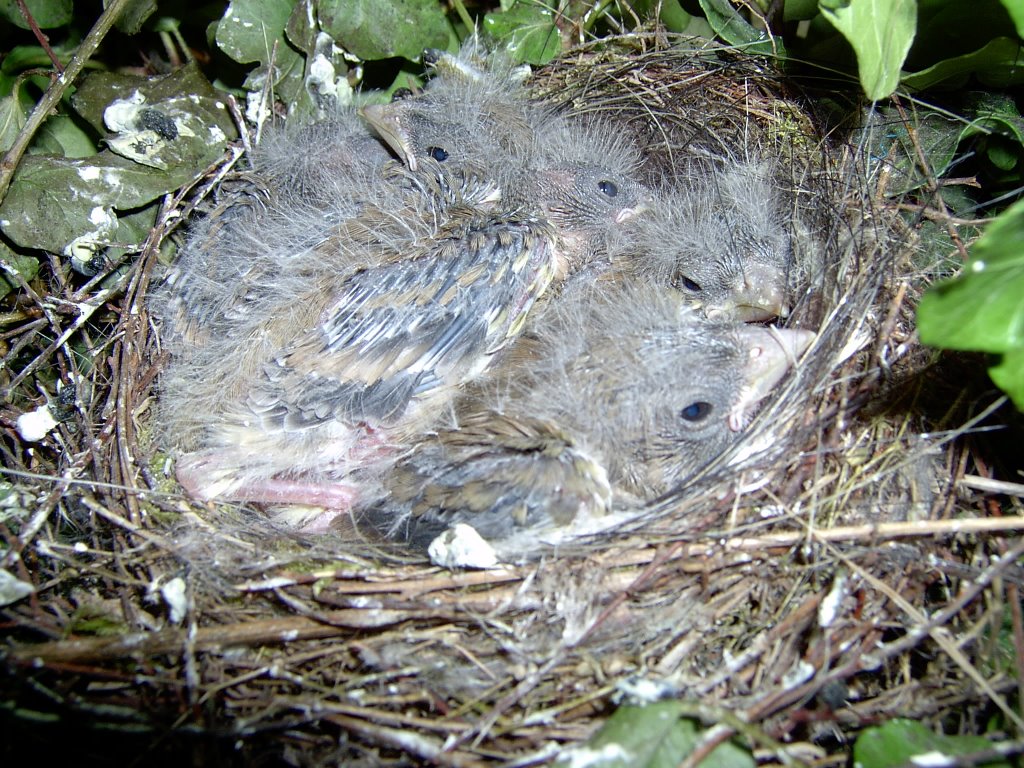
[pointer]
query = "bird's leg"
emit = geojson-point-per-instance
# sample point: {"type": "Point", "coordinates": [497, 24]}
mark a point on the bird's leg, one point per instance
{"type": "Point", "coordinates": [197, 481]}
{"type": "Point", "coordinates": [336, 496]}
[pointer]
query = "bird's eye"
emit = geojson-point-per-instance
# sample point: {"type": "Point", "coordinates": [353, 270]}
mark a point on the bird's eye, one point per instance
{"type": "Point", "coordinates": [687, 283]}
{"type": "Point", "coordinates": [437, 153]}
{"type": "Point", "coordinates": [608, 188]}
{"type": "Point", "coordinates": [696, 411]}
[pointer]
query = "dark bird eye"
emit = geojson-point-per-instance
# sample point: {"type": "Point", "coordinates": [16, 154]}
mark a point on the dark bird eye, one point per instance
{"type": "Point", "coordinates": [437, 153]}
{"type": "Point", "coordinates": [608, 188]}
{"type": "Point", "coordinates": [687, 283]}
{"type": "Point", "coordinates": [696, 411]}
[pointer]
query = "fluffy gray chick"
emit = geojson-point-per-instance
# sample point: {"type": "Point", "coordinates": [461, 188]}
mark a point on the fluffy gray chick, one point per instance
{"type": "Point", "coordinates": [474, 109]}
{"type": "Point", "coordinates": [321, 163]}
{"type": "Point", "coordinates": [617, 394]}
{"type": "Point", "coordinates": [367, 359]}
{"type": "Point", "coordinates": [720, 238]}
{"type": "Point", "coordinates": [582, 176]}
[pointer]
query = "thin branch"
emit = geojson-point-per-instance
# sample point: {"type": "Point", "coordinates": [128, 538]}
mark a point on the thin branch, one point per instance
{"type": "Point", "coordinates": [56, 90]}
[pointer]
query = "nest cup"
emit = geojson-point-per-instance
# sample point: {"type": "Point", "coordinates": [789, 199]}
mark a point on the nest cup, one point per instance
{"type": "Point", "coordinates": [336, 648]}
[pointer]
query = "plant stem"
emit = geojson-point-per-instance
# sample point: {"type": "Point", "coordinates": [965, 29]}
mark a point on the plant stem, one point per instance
{"type": "Point", "coordinates": [53, 94]}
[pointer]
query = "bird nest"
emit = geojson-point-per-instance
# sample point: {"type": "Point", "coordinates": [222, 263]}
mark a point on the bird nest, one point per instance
{"type": "Point", "coordinates": [846, 563]}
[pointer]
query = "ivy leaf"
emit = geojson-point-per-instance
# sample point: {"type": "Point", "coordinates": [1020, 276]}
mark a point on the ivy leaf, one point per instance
{"type": "Point", "coordinates": [880, 32]}
{"type": "Point", "coordinates": [12, 120]}
{"type": "Point", "coordinates": [249, 28]}
{"type": "Point", "coordinates": [26, 266]}
{"type": "Point", "coordinates": [62, 135]}
{"type": "Point", "coordinates": [936, 134]}
{"type": "Point", "coordinates": [983, 309]}
{"type": "Point", "coordinates": [899, 741]}
{"type": "Point", "coordinates": [134, 15]}
{"type": "Point", "coordinates": [735, 30]}
{"type": "Point", "coordinates": [528, 31]}
{"type": "Point", "coordinates": [997, 64]}
{"type": "Point", "coordinates": [382, 29]}
{"type": "Point", "coordinates": [46, 13]}
{"type": "Point", "coordinates": [1016, 10]}
{"type": "Point", "coordinates": [248, 32]}
{"type": "Point", "coordinates": [650, 736]}
{"type": "Point", "coordinates": [69, 206]}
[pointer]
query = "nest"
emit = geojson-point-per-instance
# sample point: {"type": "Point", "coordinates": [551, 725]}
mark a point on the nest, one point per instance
{"type": "Point", "coordinates": [847, 563]}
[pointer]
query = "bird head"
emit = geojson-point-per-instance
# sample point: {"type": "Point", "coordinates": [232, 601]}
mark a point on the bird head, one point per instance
{"type": "Point", "coordinates": [720, 239]}
{"type": "Point", "coordinates": [644, 382]}
{"type": "Point", "coordinates": [474, 109]}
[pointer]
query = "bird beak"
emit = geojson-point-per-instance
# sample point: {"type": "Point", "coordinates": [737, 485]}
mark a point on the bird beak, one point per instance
{"type": "Point", "coordinates": [644, 204]}
{"type": "Point", "coordinates": [761, 297]}
{"type": "Point", "coordinates": [772, 351]}
{"type": "Point", "coordinates": [384, 120]}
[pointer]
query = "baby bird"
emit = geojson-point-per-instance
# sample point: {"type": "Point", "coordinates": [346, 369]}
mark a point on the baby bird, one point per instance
{"type": "Point", "coordinates": [613, 395]}
{"type": "Point", "coordinates": [720, 238]}
{"type": "Point", "coordinates": [322, 163]}
{"type": "Point", "coordinates": [474, 109]}
{"type": "Point", "coordinates": [371, 358]}
{"type": "Point", "coordinates": [347, 329]}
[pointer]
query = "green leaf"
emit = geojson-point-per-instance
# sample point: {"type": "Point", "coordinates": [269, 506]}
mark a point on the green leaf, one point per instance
{"type": "Point", "coordinates": [249, 29]}
{"type": "Point", "coordinates": [46, 13]}
{"type": "Point", "coordinates": [899, 741]}
{"type": "Point", "coordinates": [382, 29]}
{"type": "Point", "coordinates": [651, 736]}
{"type": "Point", "coordinates": [995, 113]}
{"type": "Point", "coordinates": [880, 32]}
{"type": "Point", "coordinates": [62, 135]}
{"type": "Point", "coordinates": [1016, 10]}
{"type": "Point", "coordinates": [1009, 375]}
{"type": "Point", "coordinates": [176, 122]}
{"type": "Point", "coordinates": [134, 15]}
{"type": "Point", "coordinates": [798, 10]}
{"type": "Point", "coordinates": [734, 29]}
{"type": "Point", "coordinates": [937, 134]}
{"type": "Point", "coordinates": [24, 57]}
{"type": "Point", "coordinates": [997, 64]}
{"type": "Point", "coordinates": [983, 308]}
{"type": "Point", "coordinates": [26, 266]}
{"type": "Point", "coordinates": [12, 120]}
{"type": "Point", "coordinates": [528, 31]}
{"type": "Point", "coordinates": [60, 205]}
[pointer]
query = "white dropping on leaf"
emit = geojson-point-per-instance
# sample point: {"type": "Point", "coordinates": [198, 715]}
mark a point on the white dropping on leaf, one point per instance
{"type": "Point", "coordinates": [801, 672]}
{"type": "Point", "coordinates": [256, 111]}
{"type": "Point", "coordinates": [828, 610]}
{"type": "Point", "coordinates": [173, 593]}
{"type": "Point", "coordinates": [933, 760]}
{"type": "Point", "coordinates": [12, 588]}
{"type": "Point", "coordinates": [35, 425]}
{"type": "Point", "coordinates": [462, 547]}
{"type": "Point", "coordinates": [89, 173]}
{"type": "Point", "coordinates": [82, 249]}
{"type": "Point", "coordinates": [120, 116]}
{"type": "Point", "coordinates": [584, 757]}
{"type": "Point", "coordinates": [101, 217]}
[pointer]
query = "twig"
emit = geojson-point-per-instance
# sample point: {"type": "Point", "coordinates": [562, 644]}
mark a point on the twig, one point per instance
{"type": "Point", "coordinates": [56, 90]}
{"type": "Point", "coordinates": [405, 740]}
{"type": "Point", "coordinates": [42, 39]}
{"type": "Point", "coordinates": [988, 485]}
{"type": "Point", "coordinates": [934, 625]}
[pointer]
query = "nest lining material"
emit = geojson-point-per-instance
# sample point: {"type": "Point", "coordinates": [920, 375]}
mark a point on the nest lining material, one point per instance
{"type": "Point", "coordinates": [831, 550]}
